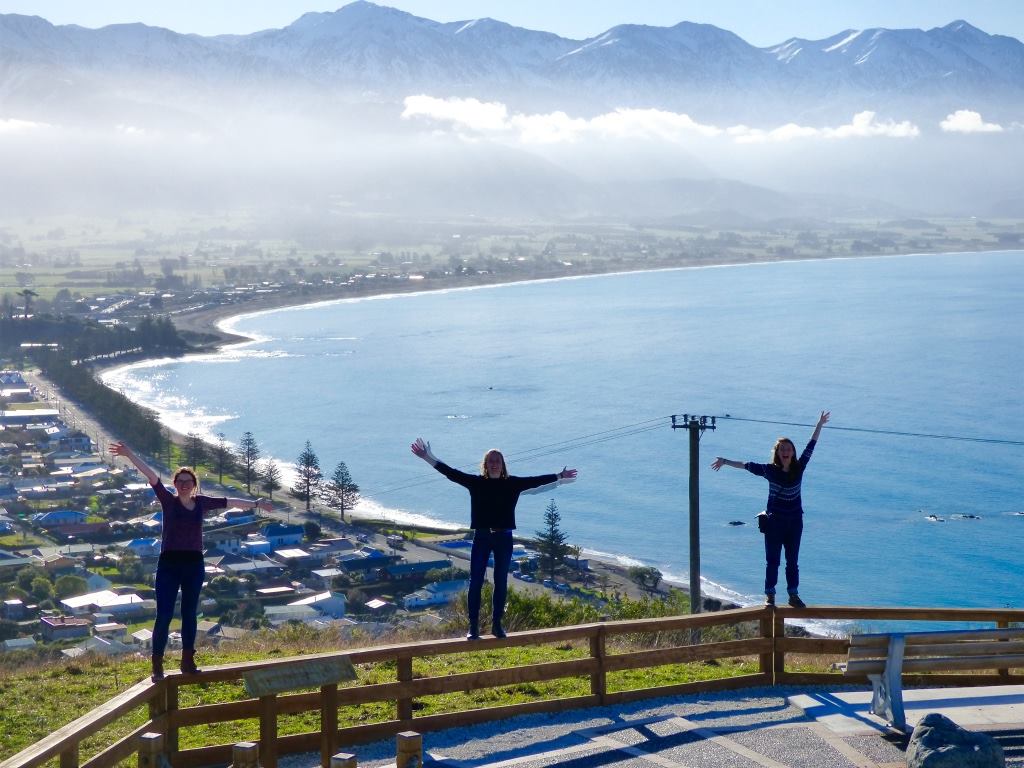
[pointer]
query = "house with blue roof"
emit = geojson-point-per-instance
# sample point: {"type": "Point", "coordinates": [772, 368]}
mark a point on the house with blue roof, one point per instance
{"type": "Point", "coordinates": [281, 535]}
{"type": "Point", "coordinates": [58, 517]}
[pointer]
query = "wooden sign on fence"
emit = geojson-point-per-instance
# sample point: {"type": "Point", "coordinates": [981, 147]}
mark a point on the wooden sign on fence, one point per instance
{"type": "Point", "coordinates": [314, 673]}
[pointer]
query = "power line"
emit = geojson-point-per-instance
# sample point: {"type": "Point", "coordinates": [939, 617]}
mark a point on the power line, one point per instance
{"type": "Point", "coordinates": [650, 425]}
{"type": "Point", "coordinates": [895, 433]}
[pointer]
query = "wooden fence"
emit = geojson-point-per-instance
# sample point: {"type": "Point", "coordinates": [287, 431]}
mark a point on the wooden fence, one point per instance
{"type": "Point", "coordinates": [764, 639]}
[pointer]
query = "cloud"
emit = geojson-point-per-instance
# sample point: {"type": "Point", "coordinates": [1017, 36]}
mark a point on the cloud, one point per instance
{"type": "Point", "coordinates": [863, 126]}
{"type": "Point", "coordinates": [968, 121]}
{"type": "Point", "coordinates": [469, 114]}
{"type": "Point", "coordinates": [472, 118]}
{"type": "Point", "coordinates": [11, 126]}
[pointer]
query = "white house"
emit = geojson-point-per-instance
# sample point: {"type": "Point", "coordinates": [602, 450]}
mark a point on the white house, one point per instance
{"type": "Point", "coordinates": [98, 645]}
{"type": "Point", "coordinates": [143, 638]}
{"type": "Point", "coordinates": [331, 604]}
{"type": "Point", "coordinates": [105, 601]}
{"type": "Point", "coordinates": [324, 577]}
{"type": "Point", "coordinates": [282, 614]}
{"type": "Point", "coordinates": [438, 593]}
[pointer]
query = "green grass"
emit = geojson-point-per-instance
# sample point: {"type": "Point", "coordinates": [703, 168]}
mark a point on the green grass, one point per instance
{"type": "Point", "coordinates": [20, 541]}
{"type": "Point", "coordinates": [39, 698]}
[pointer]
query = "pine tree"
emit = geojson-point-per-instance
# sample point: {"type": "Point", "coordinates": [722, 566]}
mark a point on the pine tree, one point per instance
{"type": "Point", "coordinates": [195, 450]}
{"type": "Point", "coordinates": [270, 478]}
{"type": "Point", "coordinates": [248, 455]}
{"type": "Point", "coordinates": [309, 477]}
{"type": "Point", "coordinates": [222, 458]}
{"type": "Point", "coordinates": [342, 493]}
{"type": "Point", "coordinates": [551, 541]}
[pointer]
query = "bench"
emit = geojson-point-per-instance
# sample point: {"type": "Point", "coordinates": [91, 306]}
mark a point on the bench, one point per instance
{"type": "Point", "coordinates": [885, 657]}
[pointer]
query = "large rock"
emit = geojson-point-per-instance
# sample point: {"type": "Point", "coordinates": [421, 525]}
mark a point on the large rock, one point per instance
{"type": "Point", "coordinates": [938, 742]}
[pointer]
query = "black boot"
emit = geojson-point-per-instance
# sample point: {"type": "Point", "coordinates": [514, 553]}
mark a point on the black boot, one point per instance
{"type": "Point", "coordinates": [188, 662]}
{"type": "Point", "coordinates": [158, 668]}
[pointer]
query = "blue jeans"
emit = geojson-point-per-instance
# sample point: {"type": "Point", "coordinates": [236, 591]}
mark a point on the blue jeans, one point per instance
{"type": "Point", "coordinates": [783, 532]}
{"type": "Point", "coordinates": [174, 571]}
{"type": "Point", "coordinates": [486, 542]}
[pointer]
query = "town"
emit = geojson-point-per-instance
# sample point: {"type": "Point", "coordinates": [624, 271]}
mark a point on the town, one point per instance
{"type": "Point", "coordinates": [80, 537]}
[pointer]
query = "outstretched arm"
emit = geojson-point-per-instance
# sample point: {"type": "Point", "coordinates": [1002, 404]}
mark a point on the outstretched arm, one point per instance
{"type": "Point", "coordinates": [822, 421]}
{"type": "Point", "coordinates": [120, 449]}
{"type": "Point", "coordinates": [567, 474]}
{"type": "Point", "coordinates": [719, 462]}
{"type": "Point", "coordinates": [265, 504]}
{"type": "Point", "coordinates": [421, 448]}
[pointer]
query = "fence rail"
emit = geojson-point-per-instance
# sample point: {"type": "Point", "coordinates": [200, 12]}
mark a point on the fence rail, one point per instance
{"type": "Point", "coordinates": [767, 643]}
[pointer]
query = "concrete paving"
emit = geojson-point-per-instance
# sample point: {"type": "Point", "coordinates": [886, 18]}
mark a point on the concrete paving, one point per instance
{"type": "Point", "coordinates": [752, 728]}
{"type": "Point", "coordinates": [974, 708]}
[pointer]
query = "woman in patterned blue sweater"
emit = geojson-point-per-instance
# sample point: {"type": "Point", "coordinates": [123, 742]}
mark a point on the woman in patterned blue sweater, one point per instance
{"type": "Point", "coordinates": [785, 511]}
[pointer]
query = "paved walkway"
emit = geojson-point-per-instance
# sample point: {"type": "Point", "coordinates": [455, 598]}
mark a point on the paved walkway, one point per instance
{"type": "Point", "coordinates": [753, 728]}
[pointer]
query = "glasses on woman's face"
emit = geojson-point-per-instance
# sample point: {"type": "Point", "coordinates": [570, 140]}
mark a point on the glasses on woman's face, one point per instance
{"type": "Point", "coordinates": [184, 480]}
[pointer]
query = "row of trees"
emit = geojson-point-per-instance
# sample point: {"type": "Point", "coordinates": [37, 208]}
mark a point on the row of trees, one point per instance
{"type": "Point", "coordinates": [339, 492]}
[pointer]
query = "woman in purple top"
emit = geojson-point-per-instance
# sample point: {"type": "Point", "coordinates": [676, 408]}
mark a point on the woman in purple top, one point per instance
{"type": "Point", "coordinates": [493, 495]}
{"type": "Point", "coordinates": [785, 510]}
{"type": "Point", "coordinates": [181, 565]}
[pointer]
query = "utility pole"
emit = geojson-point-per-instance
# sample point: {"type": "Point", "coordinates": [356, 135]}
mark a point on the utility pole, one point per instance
{"type": "Point", "coordinates": [695, 425]}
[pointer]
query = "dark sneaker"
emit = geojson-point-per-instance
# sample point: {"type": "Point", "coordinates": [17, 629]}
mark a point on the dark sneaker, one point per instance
{"type": "Point", "coordinates": [499, 633]}
{"type": "Point", "coordinates": [769, 599]}
{"type": "Point", "coordinates": [471, 635]}
{"type": "Point", "coordinates": [796, 602]}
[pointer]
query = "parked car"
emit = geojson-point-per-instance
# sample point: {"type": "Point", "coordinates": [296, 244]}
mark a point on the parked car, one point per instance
{"type": "Point", "coordinates": [528, 577]}
{"type": "Point", "coordinates": [549, 583]}
{"type": "Point", "coordinates": [561, 587]}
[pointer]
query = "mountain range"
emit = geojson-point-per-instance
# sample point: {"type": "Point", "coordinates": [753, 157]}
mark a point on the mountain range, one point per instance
{"type": "Point", "coordinates": [347, 73]}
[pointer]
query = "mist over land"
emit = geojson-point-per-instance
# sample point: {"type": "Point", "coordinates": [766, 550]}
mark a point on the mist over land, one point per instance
{"type": "Point", "coordinates": [372, 111]}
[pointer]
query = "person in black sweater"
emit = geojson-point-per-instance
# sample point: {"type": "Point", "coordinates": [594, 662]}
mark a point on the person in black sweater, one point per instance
{"type": "Point", "coordinates": [493, 495]}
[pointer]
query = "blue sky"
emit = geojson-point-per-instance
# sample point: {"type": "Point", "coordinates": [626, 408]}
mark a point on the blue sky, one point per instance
{"type": "Point", "coordinates": [760, 22]}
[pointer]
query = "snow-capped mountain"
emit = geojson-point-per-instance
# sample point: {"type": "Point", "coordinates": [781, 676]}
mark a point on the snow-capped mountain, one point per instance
{"type": "Point", "coordinates": [367, 52]}
{"type": "Point", "coordinates": [371, 108]}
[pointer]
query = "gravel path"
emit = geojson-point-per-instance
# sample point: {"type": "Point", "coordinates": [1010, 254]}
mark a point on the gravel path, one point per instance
{"type": "Point", "coordinates": [752, 728]}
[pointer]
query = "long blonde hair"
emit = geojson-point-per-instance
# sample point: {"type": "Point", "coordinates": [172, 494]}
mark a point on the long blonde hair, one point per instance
{"type": "Point", "coordinates": [483, 463]}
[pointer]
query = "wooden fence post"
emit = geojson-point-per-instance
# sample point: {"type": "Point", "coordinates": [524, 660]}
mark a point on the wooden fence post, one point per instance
{"type": "Point", "coordinates": [170, 708]}
{"type": "Point", "coordinates": [409, 750]}
{"type": "Point", "coordinates": [343, 760]}
{"type": "Point", "coordinates": [1003, 624]}
{"type": "Point", "coordinates": [778, 655]}
{"type": "Point", "coordinates": [328, 724]}
{"type": "Point", "coordinates": [245, 754]}
{"type": "Point", "coordinates": [150, 746]}
{"type": "Point", "coordinates": [599, 678]}
{"type": "Point", "coordinates": [404, 705]}
{"type": "Point", "coordinates": [268, 730]}
{"type": "Point", "coordinates": [766, 629]}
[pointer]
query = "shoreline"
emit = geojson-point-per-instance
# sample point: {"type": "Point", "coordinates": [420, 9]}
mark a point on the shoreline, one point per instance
{"type": "Point", "coordinates": [221, 315]}
{"type": "Point", "coordinates": [209, 322]}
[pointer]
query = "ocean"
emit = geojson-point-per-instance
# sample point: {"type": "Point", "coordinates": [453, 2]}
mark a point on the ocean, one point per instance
{"type": "Point", "coordinates": [913, 496]}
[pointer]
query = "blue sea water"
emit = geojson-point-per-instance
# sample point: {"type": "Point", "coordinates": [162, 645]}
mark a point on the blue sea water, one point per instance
{"type": "Point", "coordinates": [919, 358]}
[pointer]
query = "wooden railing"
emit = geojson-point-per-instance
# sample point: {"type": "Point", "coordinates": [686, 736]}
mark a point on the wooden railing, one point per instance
{"type": "Point", "coordinates": [766, 641]}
